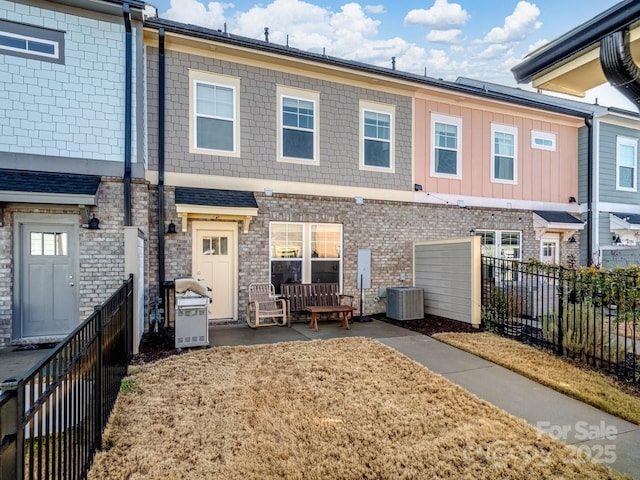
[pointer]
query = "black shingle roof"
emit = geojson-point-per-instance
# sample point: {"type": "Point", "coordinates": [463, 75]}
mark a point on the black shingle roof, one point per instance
{"type": "Point", "coordinates": [48, 182]}
{"type": "Point", "coordinates": [214, 197]}
{"type": "Point", "coordinates": [631, 218]}
{"type": "Point", "coordinates": [557, 217]}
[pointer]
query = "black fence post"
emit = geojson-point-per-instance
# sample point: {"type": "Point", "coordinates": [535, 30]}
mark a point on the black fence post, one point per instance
{"type": "Point", "coordinates": [560, 340]}
{"type": "Point", "coordinates": [10, 465]}
{"type": "Point", "coordinates": [99, 377]}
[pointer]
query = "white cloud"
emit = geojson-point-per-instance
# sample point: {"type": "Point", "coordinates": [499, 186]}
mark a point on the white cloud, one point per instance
{"type": "Point", "coordinates": [444, 36]}
{"type": "Point", "coordinates": [493, 52]}
{"type": "Point", "coordinates": [522, 22]}
{"type": "Point", "coordinates": [442, 16]}
{"type": "Point", "coordinates": [374, 9]}
{"type": "Point", "coordinates": [196, 13]}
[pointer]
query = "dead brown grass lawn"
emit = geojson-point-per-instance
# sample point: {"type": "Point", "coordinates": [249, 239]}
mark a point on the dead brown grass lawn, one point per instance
{"type": "Point", "coordinates": [338, 409]}
{"type": "Point", "coordinates": [586, 385]}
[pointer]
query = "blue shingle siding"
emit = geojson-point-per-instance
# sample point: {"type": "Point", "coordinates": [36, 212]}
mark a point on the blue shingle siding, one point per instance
{"type": "Point", "coordinates": [46, 182]}
{"type": "Point", "coordinates": [214, 197]}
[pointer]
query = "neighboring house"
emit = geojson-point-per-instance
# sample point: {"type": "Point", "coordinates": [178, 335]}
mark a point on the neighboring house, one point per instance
{"type": "Point", "coordinates": [71, 146]}
{"type": "Point", "coordinates": [596, 52]}
{"type": "Point", "coordinates": [278, 165]}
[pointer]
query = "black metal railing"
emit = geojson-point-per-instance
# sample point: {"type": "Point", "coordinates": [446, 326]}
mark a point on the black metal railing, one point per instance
{"type": "Point", "coordinates": [590, 315]}
{"type": "Point", "coordinates": [51, 419]}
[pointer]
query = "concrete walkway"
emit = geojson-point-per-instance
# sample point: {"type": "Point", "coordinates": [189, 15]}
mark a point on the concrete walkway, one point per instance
{"type": "Point", "coordinates": [608, 438]}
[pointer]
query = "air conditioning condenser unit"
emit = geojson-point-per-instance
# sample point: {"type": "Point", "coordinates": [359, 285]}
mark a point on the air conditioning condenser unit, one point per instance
{"type": "Point", "coordinates": [405, 303]}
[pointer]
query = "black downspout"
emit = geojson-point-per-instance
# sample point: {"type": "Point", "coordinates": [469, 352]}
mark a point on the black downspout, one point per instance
{"type": "Point", "coordinates": [127, 115]}
{"type": "Point", "coordinates": [161, 79]}
{"type": "Point", "coordinates": [589, 123]}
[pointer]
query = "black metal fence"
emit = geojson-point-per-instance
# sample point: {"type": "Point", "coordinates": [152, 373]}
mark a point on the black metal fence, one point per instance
{"type": "Point", "coordinates": [51, 420]}
{"type": "Point", "coordinates": [588, 314]}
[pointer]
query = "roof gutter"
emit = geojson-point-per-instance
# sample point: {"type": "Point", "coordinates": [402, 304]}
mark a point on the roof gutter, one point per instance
{"type": "Point", "coordinates": [618, 65]}
{"type": "Point", "coordinates": [616, 18]}
{"type": "Point", "coordinates": [211, 35]}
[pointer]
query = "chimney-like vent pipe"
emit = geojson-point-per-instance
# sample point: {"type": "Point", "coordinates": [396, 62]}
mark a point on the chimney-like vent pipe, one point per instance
{"type": "Point", "coordinates": [393, 63]}
{"type": "Point", "coordinates": [266, 34]}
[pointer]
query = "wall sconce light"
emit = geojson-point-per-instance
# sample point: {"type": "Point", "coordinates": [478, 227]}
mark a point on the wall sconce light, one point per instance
{"type": "Point", "coordinates": [472, 232]}
{"type": "Point", "coordinates": [461, 204]}
{"type": "Point", "coordinates": [359, 201]}
{"type": "Point", "coordinates": [616, 239]}
{"type": "Point", "coordinates": [172, 229]}
{"type": "Point", "coordinates": [94, 223]}
{"type": "Point", "coordinates": [417, 187]}
{"type": "Point", "coordinates": [268, 192]}
{"type": "Point", "coordinates": [572, 199]}
{"type": "Point", "coordinates": [572, 239]}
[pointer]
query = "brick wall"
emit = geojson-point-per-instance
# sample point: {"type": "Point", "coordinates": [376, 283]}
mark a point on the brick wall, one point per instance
{"type": "Point", "coordinates": [387, 228]}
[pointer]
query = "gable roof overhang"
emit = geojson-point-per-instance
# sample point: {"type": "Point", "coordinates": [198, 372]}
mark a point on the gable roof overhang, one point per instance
{"type": "Point", "coordinates": [571, 63]}
{"type": "Point", "coordinates": [24, 186]}
{"type": "Point", "coordinates": [215, 204]}
{"type": "Point", "coordinates": [557, 222]}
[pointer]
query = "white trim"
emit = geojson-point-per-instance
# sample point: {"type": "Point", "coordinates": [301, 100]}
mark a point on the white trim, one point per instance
{"type": "Point", "coordinates": [197, 76]}
{"type": "Point", "coordinates": [627, 142]}
{"type": "Point", "coordinates": [298, 94]}
{"type": "Point", "coordinates": [509, 130]}
{"type": "Point", "coordinates": [447, 120]}
{"type": "Point", "coordinates": [544, 136]}
{"type": "Point", "coordinates": [383, 109]}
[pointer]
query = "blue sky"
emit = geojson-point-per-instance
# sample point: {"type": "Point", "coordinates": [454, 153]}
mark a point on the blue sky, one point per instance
{"type": "Point", "coordinates": [449, 38]}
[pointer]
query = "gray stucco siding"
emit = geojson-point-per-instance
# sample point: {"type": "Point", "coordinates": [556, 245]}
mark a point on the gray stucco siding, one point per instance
{"type": "Point", "coordinates": [607, 173]}
{"type": "Point", "coordinates": [338, 126]}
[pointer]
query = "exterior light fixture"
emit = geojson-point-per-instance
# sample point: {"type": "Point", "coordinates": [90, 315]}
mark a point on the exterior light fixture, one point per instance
{"type": "Point", "coordinates": [417, 187]}
{"type": "Point", "coordinates": [94, 223]}
{"type": "Point", "coordinates": [472, 232]}
{"type": "Point", "coordinates": [572, 239]}
{"type": "Point", "coordinates": [359, 201]}
{"type": "Point", "coordinates": [268, 192]}
{"type": "Point", "coordinates": [172, 229]}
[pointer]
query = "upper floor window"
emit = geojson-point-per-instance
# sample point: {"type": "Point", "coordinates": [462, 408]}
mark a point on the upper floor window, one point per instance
{"type": "Point", "coordinates": [543, 140]}
{"type": "Point", "coordinates": [214, 127]}
{"type": "Point", "coordinates": [446, 133]}
{"type": "Point", "coordinates": [297, 125]}
{"type": "Point", "coordinates": [626, 161]}
{"type": "Point", "coordinates": [504, 154]}
{"type": "Point", "coordinates": [29, 41]}
{"type": "Point", "coordinates": [376, 151]}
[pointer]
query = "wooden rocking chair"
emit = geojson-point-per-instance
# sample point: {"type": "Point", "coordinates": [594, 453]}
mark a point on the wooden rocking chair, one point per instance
{"type": "Point", "coordinates": [264, 308]}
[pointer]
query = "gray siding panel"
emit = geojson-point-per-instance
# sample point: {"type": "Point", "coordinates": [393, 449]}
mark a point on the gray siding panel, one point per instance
{"type": "Point", "coordinates": [607, 173]}
{"type": "Point", "coordinates": [338, 126]}
{"type": "Point", "coordinates": [445, 271]}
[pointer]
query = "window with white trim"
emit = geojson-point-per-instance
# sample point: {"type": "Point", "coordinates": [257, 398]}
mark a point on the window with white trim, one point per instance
{"type": "Point", "coordinates": [504, 154]}
{"type": "Point", "coordinates": [298, 137]}
{"type": "Point", "coordinates": [376, 136]}
{"type": "Point", "coordinates": [626, 163]}
{"type": "Point", "coordinates": [305, 253]}
{"type": "Point", "coordinates": [30, 41]}
{"type": "Point", "coordinates": [446, 153]}
{"type": "Point", "coordinates": [543, 140]}
{"type": "Point", "coordinates": [214, 126]}
{"type": "Point", "coordinates": [505, 244]}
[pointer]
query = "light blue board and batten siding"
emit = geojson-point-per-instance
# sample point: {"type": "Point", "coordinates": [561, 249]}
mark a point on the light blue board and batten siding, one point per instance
{"type": "Point", "coordinates": [607, 171]}
{"type": "Point", "coordinates": [71, 110]}
{"type": "Point", "coordinates": [338, 126]}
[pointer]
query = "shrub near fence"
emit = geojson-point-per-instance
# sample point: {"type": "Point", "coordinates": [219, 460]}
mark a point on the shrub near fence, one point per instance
{"type": "Point", "coordinates": [588, 314]}
{"type": "Point", "coordinates": [51, 420]}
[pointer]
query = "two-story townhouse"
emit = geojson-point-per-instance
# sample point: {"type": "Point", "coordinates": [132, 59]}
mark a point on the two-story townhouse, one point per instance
{"type": "Point", "coordinates": [71, 159]}
{"type": "Point", "coordinates": [274, 164]}
{"type": "Point", "coordinates": [598, 51]}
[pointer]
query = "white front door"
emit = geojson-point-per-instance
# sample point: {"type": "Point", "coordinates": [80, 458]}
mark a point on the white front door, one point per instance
{"type": "Point", "coordinates": [550, 248]}
{"type": "Point", "coordinates": [214, 262]}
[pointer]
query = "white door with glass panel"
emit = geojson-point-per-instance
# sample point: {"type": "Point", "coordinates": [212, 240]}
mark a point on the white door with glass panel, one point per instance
{"type": "Point", "coordinates": [550, 249]}
{"type": "Point", "coordinates": [214, 264]}
{"type": "Point", "coordinates": [46, 276]}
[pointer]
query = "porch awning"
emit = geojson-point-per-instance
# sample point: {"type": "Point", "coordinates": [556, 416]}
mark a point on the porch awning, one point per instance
{"type": "Point", "coordinates": [25, 186]}
{"type": "Point", "coordinates": [215, 204]}
{"type": "Point", "coordinates": [556, 221]}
